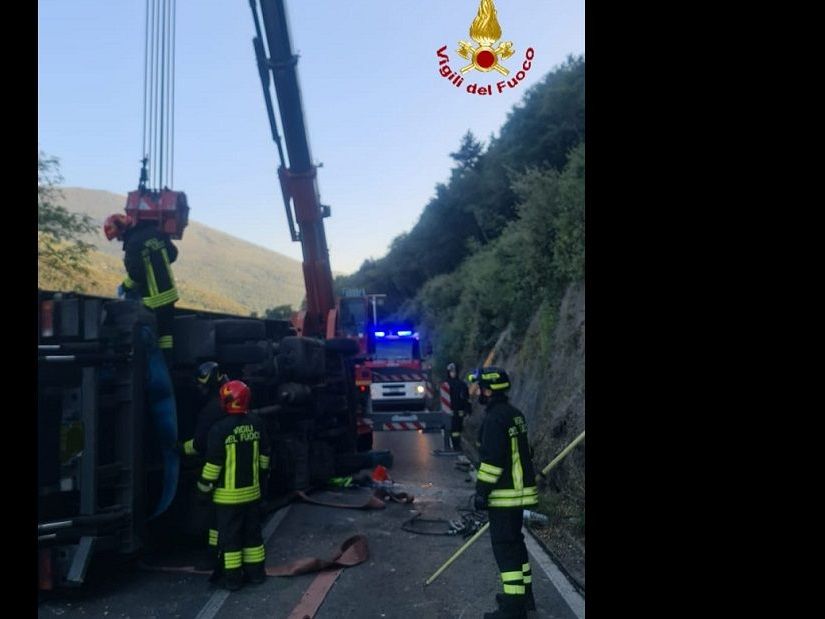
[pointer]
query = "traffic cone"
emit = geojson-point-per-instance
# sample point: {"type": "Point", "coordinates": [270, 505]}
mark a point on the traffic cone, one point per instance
{"type": "Point", "coordinates": [380, 474]}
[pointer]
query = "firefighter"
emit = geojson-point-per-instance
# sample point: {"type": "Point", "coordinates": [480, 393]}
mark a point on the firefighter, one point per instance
{"type": "Point", "coordinates": [237, 463]}
{"type": "Point", "coordinates": [505, 486]}
{"type": "Point", "coordinates": [460, 404]}
{"type": "Point", "coordinates": [148, 256]}
{"type": "Point", "coordinates": [209, 378]}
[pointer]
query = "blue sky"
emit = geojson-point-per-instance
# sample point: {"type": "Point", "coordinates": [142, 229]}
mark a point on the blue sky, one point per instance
{"type": "Point", "coordinates": [379, 116]}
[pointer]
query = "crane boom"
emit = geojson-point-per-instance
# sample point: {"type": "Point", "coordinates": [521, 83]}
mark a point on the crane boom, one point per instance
{"type": "Point", "coordinates": [298, 177]}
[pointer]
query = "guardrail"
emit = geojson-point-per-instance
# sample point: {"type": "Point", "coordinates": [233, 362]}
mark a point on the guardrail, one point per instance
{"type": "Point", "coordinates": [423, 421]}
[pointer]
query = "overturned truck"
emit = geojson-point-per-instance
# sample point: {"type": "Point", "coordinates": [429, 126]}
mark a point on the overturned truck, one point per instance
{"type": "Point", "coordinates": [100, 468]}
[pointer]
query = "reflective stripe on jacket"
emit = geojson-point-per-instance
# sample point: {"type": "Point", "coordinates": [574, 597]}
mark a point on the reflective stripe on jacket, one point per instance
{"type": "Point", "coordinates": [237, 452]}
{"type": "Point", "coordinates": [148, 255]}
{"type": "Point", "coordinates": [506, 474]}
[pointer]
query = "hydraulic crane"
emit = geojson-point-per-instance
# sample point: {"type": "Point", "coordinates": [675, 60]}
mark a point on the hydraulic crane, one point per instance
{"type": "Point", "coordinates": [297, 174]}
{"type": "Point", "coordinates": [325, 315]}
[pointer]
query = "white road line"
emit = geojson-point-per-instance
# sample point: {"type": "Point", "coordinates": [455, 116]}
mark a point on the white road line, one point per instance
{"type": "Point", "coordinates": [213, 605]}
{"type": "Point", "coordinates": [273, 523]}
{"type": "Point", "coordinates": [574, 600]}
{"type": "Point", "coordinates": [219, 597]}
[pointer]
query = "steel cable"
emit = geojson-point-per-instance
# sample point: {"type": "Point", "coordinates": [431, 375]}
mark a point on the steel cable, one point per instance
{"type": "Point", "coordinates": [159, 56]}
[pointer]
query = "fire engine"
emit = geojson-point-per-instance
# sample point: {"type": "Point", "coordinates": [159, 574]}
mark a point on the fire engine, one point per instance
{"type": "Point", "coordinates": [397, 379]}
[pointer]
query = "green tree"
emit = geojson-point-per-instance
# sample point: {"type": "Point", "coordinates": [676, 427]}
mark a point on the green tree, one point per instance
{"type": "Point", "coordinates": [468, 151]}
{"type": "Point", "coordinates": [61, 253]}
{"type": "Point", "coordinates": [281, 312]}
{"type": "Point", "coordinates": [479, 202]}
{"type": "Point", "coordinates": [568, 254]}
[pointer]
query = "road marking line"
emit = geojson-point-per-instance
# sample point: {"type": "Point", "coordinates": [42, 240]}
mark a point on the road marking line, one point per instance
{"type": "Point", "coordinates": [219, 597]}
{"type": "Point", "coordinates": [213, 605]}
{"type": "Point", "coordinates": [572, 597]}
{"type": "Point", "coordinates": [273, 523]}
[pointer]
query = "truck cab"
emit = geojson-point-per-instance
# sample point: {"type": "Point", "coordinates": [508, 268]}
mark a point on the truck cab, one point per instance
{"type": "Point", "coordinates": [398, 380]}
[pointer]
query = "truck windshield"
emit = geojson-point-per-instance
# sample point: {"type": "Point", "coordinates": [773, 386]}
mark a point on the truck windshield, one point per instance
{"type": "Point", "coordinates": [353, 316]}
{"type": "Point", "coordinates": [396, 349]}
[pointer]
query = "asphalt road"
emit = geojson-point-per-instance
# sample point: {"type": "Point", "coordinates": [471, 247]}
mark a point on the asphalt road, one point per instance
{"type": "Point", "coordinates": [389, 584]}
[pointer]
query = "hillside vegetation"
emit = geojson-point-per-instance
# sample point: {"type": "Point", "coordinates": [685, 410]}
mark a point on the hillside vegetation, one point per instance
{"type": "Point", "coordinates": [494, 269]}
{"type": "Point", "coordinates": [504, 237]}
{"type": "Point", "coordinates": [214, 270]}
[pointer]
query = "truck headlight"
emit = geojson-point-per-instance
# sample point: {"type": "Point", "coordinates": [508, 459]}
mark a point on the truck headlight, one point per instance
{"type": "Point", "coordinates": [419, 388]}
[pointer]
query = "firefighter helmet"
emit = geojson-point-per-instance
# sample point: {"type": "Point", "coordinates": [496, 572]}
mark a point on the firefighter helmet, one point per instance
{"type": "Point", "coordinates": [235, 397]}
{"type": "Point", "coordinates": [116, 224]}
{"type": "Point", "coordinates": [493, 378]}
{"type": "Point", "coordinates": [210, 375]}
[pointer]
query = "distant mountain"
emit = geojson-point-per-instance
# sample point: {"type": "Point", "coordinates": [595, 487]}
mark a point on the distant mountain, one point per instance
{"type": "Point", "coordinates": [214, 270]}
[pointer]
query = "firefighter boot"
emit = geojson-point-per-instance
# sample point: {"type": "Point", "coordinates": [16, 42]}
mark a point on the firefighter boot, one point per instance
{"type": "Point", "coordinates": [529, 600]}
{"type": "Point", "coordinates": [217, 572]}
{"type": "Point", "coordinates": [254, 573]}
{"type": "Point", "coordinates": [527, 578]}
{"type": "Point", "coordinates": [509, 607]}
{"type": "Point", "coordinates": [232, 579]}
{"type": "Point", "coordinates": [208, 562]}
{"type": "Point", "coordinates": [211, 558]}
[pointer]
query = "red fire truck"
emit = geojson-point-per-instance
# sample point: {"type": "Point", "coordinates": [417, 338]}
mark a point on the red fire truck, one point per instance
{"type": "Point", "coordinates": [398, 381]}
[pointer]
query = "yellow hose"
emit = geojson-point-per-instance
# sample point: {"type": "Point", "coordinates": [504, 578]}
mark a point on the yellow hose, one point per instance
{"type": "Point", "coordinates": [564, 452]}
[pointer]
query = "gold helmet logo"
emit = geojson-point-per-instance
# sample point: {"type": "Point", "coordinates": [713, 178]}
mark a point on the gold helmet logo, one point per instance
{"type": "Point", "coordinates": [485, 30]}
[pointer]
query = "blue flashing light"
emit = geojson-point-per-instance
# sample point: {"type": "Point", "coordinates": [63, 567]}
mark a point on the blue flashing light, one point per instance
{"type": "Point", "coordinates": [403, 333]}
{"type": "Point", "coordinates": [379, 334]}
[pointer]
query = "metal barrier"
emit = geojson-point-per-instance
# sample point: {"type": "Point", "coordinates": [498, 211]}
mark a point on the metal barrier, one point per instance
{"type": "Point", "coordinates": [423, 421]}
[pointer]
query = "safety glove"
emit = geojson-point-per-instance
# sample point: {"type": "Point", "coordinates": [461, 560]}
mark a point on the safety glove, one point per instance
{"type": "Point", "coordinates": [480, 502]}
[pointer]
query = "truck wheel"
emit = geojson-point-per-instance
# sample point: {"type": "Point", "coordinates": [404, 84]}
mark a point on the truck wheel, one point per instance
{"type": "Point", "coordinates": [331, 404]}
{"type": "Point", "coordinates": [301, 359]}
{"type": "Point", "coordinates": [240, 354]}
{"type": "Point", "coordinates": [236, 331]}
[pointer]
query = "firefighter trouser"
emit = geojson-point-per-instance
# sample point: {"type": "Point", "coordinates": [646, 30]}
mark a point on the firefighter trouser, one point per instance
{"type": "Point", "coordinates": [165, 320]}
{"type": "Point", "coordinates": [240, 543]}
{"type": "Point", "coordinates": [510, 552]}
{"type": "Point", "coordinates": [456, 425]}
{"type": "Point", "coordinates": [213, 526]}
{"type": "Point", "coordinates": [203, 515]}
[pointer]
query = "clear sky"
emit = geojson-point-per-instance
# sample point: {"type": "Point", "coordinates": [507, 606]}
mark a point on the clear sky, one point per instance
{"type": "Point", "coordinates": [379, 116]}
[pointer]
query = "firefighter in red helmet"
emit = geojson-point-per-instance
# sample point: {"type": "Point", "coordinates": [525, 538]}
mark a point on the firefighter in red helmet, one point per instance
{"type": "Point", "coordinates": [148, 254]}
{"type": "Point", "coordinates": [237, 466]}
{"type": "Point", "coordinates": [115, 225]}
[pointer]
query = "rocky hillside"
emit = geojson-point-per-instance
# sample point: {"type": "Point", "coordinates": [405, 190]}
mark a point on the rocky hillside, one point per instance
{"type": "Point", "coordinates": [546, 367]}
{"type": "Point", "coordinates": [214, 270]}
